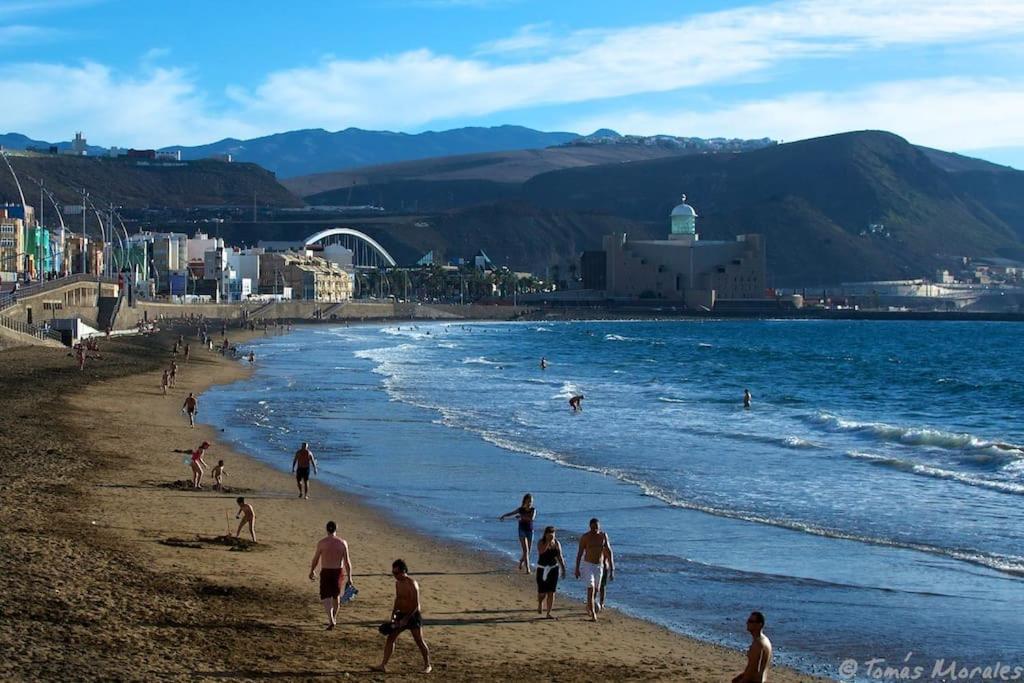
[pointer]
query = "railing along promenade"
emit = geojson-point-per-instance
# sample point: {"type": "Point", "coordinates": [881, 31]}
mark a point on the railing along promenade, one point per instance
{"type": "Point", "coordinates": [10, 299]}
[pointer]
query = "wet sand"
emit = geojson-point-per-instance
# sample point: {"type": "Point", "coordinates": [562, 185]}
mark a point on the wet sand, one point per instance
{"type": "Point", "coordinates": [112, 570]}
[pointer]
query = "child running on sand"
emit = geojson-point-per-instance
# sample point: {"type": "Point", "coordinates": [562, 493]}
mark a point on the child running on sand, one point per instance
{"type": "Point", "coordinates": [248, 516]}
{"type": "Point", "coordinates": [218, 475]}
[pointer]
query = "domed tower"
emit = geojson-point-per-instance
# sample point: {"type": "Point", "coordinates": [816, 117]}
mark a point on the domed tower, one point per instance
{"type": "Point", "coordinates": [684, 222]}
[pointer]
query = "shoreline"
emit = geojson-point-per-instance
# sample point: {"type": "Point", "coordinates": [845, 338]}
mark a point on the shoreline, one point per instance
{"type": "Point", "coordinates": [479, 616]}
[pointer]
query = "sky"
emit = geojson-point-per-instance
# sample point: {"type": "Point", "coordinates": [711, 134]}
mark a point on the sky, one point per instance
{"type": "Point", "coordinates": [149, 73]}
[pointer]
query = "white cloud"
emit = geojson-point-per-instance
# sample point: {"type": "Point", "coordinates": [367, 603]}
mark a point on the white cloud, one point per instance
{"type": "Point", "coordinates": [158, 106]}
{"type": "Point", "coordinates": [154, 54]}
{"type": "Point", "coordinates": [415, 87]}
{"type": "Point", "coordinates": [529, 38]}
{"type": "Point", "coordinates": [949, 113]}
{"type": "Point", "coordinates": [11, 8]}
{"type": "Point", "coordinates": [21, 34]}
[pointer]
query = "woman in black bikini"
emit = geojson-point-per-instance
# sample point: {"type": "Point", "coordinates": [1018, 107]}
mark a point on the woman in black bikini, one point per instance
{"type": "Point", "coordinates": [525, 513]}
{"type": "Point", "coordinates": [549, 559]}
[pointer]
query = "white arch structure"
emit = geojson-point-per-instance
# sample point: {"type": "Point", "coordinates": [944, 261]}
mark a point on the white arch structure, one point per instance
{"type": "Point", "coordinates": [349, 232]}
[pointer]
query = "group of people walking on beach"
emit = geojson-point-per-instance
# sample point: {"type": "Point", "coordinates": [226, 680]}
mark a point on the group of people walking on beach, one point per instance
{"type": "Point", "coordinates": [595, 561]}
{"type": "Point", "coordinates": [331, 564]}
{"type": "Point", "coordinates": [595, 565]}
{"type": "Point", "coordinates": [335, 562]}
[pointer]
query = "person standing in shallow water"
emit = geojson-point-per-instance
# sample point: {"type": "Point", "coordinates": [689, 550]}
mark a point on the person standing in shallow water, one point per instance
{"type": "Point", "coordinates": [549, 560]}
{"type": "Point", "coordinates": [746, 398]}
{"type": "Point", "coordinates": [525, 513]}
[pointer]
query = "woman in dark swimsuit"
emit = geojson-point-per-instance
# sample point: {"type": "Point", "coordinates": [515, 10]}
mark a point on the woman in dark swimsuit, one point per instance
{"type": "Point", "coordinates": [525, 513]}
{"type": "Point", "coordinates": [549, 559]}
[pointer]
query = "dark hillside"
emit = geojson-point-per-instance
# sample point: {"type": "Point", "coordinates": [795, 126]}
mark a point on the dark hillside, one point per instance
{"type": "Point", "coordinates": [515, 166]}
{"type": "Point", "coordinates": [812, 200]}
{"type": "Point", "coordinates": [129, 183]}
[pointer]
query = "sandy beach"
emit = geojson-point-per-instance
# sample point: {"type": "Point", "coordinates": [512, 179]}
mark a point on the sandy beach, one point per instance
{"type": "Point", "coordinates": [112, 571]}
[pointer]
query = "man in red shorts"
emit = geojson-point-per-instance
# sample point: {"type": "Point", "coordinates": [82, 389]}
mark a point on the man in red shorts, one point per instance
{"type": "Point", "coordinates": [335, 571]}
{"type": "Point", "coordinates": [300, 466]}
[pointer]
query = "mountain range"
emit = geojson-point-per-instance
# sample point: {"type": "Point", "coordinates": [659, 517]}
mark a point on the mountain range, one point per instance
{"type": "Point", "coordinates": [854, 206]}
{"type": "Point", "coordinates": [304, 152]}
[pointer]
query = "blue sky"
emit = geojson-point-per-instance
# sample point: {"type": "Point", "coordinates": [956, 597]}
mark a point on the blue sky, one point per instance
{"type": "Point", "coordinates": [944, 73]}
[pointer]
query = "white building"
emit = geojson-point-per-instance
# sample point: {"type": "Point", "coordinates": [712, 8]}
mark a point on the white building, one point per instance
{"type": "Point", "coordinates": [199, 244]}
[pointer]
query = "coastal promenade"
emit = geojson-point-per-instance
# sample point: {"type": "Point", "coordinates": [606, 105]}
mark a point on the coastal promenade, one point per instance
{"type": "Point", "coordinates": [111, 570]}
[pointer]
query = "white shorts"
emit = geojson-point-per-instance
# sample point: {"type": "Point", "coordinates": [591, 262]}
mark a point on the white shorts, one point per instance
{"type": "Point", "coordinates": [591, 574]}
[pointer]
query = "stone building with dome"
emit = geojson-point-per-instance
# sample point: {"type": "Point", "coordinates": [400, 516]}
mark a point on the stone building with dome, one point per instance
{"type": "Point", "coordinates": [684, 268]}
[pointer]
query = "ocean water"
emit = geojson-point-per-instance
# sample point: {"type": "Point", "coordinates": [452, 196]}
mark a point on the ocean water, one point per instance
{"type": "Point", "coordinates": [871, 502]}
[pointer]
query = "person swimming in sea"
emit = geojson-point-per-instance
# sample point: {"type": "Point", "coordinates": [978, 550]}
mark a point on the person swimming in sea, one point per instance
{"type": "Point", "coordinates": [576, 403]}
{"type": "Point", "coordinates": [543, 363]}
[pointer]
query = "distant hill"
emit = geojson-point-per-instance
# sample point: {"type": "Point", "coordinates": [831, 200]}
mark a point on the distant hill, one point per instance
{"type": "Point", "coordinates": [302, 152]}
{"type": "Point", "coordinates": [131, 184]}
{"type": "Point", "coordinates": [813, 199]}
{"type": "Point", "coordinates": [305, 152]}
{"type": "Point", "coordinates": [855, 206]}
{"type": "Point", "coordinates": [452, 174]}
{"type": "Point", "coordinates": [493, 167]}
{"type": "Point", "coordinates": [17, 141]}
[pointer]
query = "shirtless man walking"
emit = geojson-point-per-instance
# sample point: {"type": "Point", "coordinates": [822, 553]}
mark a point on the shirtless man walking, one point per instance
{"type": "Point", "coordinates": [335, 565]}
{"type": "Point", "coordinates": [191, 407]}
{"type": "Point", "coordinates": [300, 466]}
{"type": "Point", "coordinates": [595, 549]}
{"type": "Point", "coordinates": [759, 656]}
{"type": "Point", "coordinates": [404, 615]}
